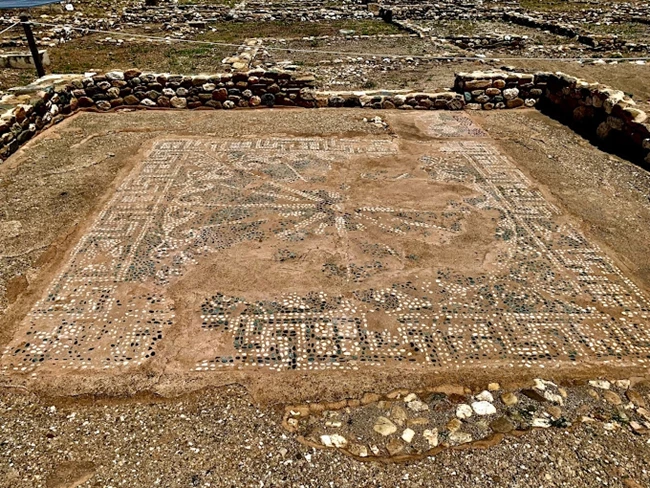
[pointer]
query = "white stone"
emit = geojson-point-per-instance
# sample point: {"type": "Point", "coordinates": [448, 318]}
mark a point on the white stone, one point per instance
{"type": "Point", "coordinates": [615, 96]}
{"type": "Point", "coordinates": [460, 438]}
{"type": "Point", "coordinates": [602, 384]}
{"type": "Point", "coordinates": [483, 408]}
{"type": "Point", "coordinates": [485, 396]}
{"type": "Point", "coordinates": [554, 397]}
{"type": "Point", "coordinates": [463, 411]}
{"type": "Point", "coordinates": [625, 384]}
{"type": "Point", "coordinates": [542, 423]}
{"type": "Point", "coordinates": [115, 75]}
{"type": "Point", "coordinates": [399, 100]}
{"type": "Point", "coordinates": [539, 384]}
{"type": "Point", "coordinates": [334, 440]}
{"type": "Point", "coordinates": [407, 435]}
{"type": "Point", "coordinates": [178, 102]}
{"type": "Point", "coordinates": [638, 116]}
{"type": "Point", "coordinates": [411, 396]}
{"type": "Point", "coordinates": [431, 436]}
{"type": "Point", "coordinates": [417, 406]}
{"type": "Point", "coordinates": [510, 93]}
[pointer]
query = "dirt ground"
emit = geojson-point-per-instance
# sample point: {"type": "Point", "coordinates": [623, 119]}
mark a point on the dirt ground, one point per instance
{"type": "Point", "coordinates": [222, 438]}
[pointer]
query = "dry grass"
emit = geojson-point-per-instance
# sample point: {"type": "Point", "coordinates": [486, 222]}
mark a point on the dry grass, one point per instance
{"type": "Point", "coordinates": [85, 54]}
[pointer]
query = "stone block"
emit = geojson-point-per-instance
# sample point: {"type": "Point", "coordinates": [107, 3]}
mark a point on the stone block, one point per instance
{"type": "Point", "coordinates": [514, 103]}
{"type": "Point", "coordinates": [477, 84]}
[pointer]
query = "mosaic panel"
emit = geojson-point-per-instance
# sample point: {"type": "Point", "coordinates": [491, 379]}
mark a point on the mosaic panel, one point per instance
{"type": "Point", "coordinates": [108, 307]}
{"type": "Point", "coordinates": [552, 296]}
{"type": "Point", "coordinates": [389, 242]}
{"type": "Point", "coordinates": [449, 124]}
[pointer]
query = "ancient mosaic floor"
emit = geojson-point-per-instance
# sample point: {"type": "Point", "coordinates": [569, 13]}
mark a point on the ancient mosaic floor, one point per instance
{"type": "Point", "coordinates": [311, 253]}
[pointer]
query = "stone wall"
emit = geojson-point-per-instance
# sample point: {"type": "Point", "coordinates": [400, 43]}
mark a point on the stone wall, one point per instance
{"type": "Point", "coordinates": [230, 90]}
{"type": "Point", "coordinates": [497, 90]}
{"type": "Point", "coordinates": [255, 88]}
{"type": "Point", "coordinates": [23, 60]}
{"type": "Point", "coordinates": [599, 111]}
{"type": "Point", "coordinates": [574, 30]}
{"type": "Point", "coordinates": [595, 110]}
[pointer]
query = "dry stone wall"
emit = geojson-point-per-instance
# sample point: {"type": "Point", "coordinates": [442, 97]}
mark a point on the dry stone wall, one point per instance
{"type": "Point", "coordinates": [592, 108]}
{"type": "Point", "coordinates": [598, 42]}
{"type": "Point", "coordinates": [599, 110]}
{"type": "Point", "coordinates": [496, 90]}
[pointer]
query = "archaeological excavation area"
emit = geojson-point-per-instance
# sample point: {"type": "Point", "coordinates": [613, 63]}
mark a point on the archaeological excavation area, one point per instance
{"type": "Point", "coordinates": [307, 244]}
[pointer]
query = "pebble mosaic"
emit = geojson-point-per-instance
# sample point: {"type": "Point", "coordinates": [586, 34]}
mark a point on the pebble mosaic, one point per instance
{"type": "Point", "coordinates": [449, 124]}
{"type": "Point", "coordinates": [550, 295]}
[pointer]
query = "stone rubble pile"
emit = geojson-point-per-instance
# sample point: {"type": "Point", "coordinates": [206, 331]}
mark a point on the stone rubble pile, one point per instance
{"type": "Point", "coordinates": [245, 56]}
{"type": "Point", "coordinates": [407, 425]}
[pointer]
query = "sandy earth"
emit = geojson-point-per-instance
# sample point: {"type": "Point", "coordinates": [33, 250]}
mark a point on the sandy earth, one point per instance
{"type": "Point", "coordinates": [323, 226]}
